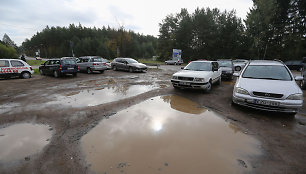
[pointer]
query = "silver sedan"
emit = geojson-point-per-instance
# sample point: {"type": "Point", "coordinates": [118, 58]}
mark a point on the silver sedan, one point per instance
{"type": "Point", "coordinates": [268, 85]}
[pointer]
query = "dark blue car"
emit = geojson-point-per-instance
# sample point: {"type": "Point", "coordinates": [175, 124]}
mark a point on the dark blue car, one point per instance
{"type": "Point", "coordinates": [59, 67]}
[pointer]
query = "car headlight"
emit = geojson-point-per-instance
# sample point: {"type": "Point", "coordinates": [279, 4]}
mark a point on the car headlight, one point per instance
{"type": "Point", "coordinates": [198, 79]}
{"type": "Point", "coordinates": [241, 91]}
{"type": "Point", "coordinates": [297, 96]}
{"type": "Point", "coordinates": [174, 77]}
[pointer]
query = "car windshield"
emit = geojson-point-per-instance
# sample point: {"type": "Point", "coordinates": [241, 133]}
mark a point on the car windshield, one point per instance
{"type": "Point", "coordinates": [225, 63]}
{"type": "Point", "coordinates": [69, 61]}
{"type": "Point", "coordinates": [270, 72]}
{"type": "Point", "coordinates": [131, 61]}
{"type": "Point", "coordinates": [198, 66]}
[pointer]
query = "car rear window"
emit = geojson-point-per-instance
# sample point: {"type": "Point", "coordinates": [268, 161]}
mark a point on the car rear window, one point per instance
{"type": "Point", "coordinates": [270, 72]}
{"type": "Point", "coordinates": [68, 62]}
{"type": "Point", "coordinates": [4, 63]}
{"type": "Point", "coordinates": [96, 60]}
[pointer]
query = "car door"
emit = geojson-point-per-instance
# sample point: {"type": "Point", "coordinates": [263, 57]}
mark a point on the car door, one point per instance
{"type": "Point", "coordinates": [216, 71]}
{"type": "Point", "coordinates": [4, 68]}
{"type": "Point", "coordinates": [45, 67]}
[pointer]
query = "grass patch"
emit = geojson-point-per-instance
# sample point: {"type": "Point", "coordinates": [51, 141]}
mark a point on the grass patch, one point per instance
{"type": "Point", "coordinates": [35, 62]}
{"type": "Point", "coordinates": [36, 71]}
{"type": "Point", "coordinates": [150, 61]}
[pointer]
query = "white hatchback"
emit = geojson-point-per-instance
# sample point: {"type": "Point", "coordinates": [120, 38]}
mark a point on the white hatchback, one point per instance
{"type": "Point", "coordinates": [15, 67]}
{"type": "Point", "coordinates": [268, 85]}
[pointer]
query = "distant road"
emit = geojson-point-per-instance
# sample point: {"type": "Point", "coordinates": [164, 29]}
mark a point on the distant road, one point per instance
{"type": "Point", "coordinates": [33, 58]}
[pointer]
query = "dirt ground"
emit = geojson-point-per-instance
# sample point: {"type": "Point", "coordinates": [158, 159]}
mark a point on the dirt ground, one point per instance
{"type": "Point", "coordinates": [282, 138]}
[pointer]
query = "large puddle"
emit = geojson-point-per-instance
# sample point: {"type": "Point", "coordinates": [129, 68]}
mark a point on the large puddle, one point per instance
{"type": "Point", "coordinates": [21, 140]}
{"type": "Point", "coordinates": [97, 96]}
{"type": "Point", "coordinates": [168, 134]}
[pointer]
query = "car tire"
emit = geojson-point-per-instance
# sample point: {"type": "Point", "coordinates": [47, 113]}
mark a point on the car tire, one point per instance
{"type": "Point", "coordinates": [26, 75]}
{"type": "Point", "coordinates": [303, 84]}
{"type": "Point", "coordinates": [131, 69]}
{"type": "Point", "coordinates": [89, 71]}
{"type": "Point", "coordinates": [114, 68]}
{"type": "Point", "coordinates": [237, 68]}
{"type": "Point", "coordinates": [55, 74]}
{"type": "Point", "coordinates": [208, 89]}
{"type": "Point", "coordinates": [41, 72]}
{"type": "Point", "coordinates": [102, 71]}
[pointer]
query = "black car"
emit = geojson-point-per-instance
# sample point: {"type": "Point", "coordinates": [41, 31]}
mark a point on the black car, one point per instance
{"type": "Point", "coordinates": [59, 67]}
{"type": "Point", "coordinates": [227, 68]}
{"type": "Point", "coordinates": [294, 64]}
{"type": "Point", "coordinates": [128, 64]}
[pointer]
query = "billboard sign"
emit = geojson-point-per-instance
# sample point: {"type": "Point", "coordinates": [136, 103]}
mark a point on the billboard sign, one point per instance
{"type": "Point", "coordinates": [177, 54]}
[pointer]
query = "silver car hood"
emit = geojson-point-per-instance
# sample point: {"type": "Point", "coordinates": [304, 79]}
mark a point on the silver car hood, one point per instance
{"type": "Point", "coordinates": [269, 86]}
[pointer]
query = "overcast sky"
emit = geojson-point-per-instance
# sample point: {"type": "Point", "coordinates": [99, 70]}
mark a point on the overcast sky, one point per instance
{"type": "Point", "coordinates": [21, 19]}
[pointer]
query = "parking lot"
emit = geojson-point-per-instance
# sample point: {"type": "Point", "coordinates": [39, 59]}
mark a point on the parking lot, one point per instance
{"type": "Point", "coordinates": [121, 122]}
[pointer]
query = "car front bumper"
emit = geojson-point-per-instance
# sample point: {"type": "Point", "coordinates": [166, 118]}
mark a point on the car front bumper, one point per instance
{"type": "Point", "coordinates": [189, 84]}
{"type": "Point", "coordinates": [286, 106]}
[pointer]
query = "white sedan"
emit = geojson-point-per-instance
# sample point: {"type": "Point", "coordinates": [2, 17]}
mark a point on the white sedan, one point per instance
{"type": "Point", "coordinates": [198, 75]}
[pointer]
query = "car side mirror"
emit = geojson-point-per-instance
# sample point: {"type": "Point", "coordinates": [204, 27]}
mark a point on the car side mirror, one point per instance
{"type": "Point", "coordinates": [298, 78]}
{"type": "Point", "coordinates": [236, 74]}
{"type": "Point", "coordinates": [182, 67]}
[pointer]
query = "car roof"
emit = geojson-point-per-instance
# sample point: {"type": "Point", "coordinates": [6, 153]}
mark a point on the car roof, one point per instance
{"type": "Point", "coordinates": [203, 61]}
{"type": "Point", "coordinates": [10, 59]}
{"type": "Point", "coordinates": [266, 62]}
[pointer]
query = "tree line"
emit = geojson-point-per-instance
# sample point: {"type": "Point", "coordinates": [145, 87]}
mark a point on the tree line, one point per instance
{"type": "Point", "coordinates": [274, 29]}
{"type": "Point", "coordinates": [83, 41]}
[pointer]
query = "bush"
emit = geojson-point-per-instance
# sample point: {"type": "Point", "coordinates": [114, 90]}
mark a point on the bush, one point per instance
{"type": "Point", "coordinates": [7, 52]}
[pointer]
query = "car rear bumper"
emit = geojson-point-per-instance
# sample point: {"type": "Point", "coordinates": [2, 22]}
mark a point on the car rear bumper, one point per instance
{"type": "Point", "coordinates": [286, 106]}
{"type": "Point", "coordinates": [69, 71]}
{"type": "Point", "coordinates": [190, 85]}
{"type": "Point", "coordinates": [98, 68]}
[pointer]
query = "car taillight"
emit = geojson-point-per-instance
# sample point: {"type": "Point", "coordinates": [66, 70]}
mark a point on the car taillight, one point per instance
{"type": "Point", "coordinates": [94, 64]}
{"type": "Point", "coordinates": [31, 68]}
{"type": "Point", "coordinates": [60, 67]}
{"type": "Point", "coordinates": [78, 67]}
{"type": "Point", "coordinates": [104, 64]}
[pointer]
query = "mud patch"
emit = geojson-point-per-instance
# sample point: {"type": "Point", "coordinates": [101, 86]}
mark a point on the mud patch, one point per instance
{"type": "Point", "coordinates": [97, 96]}
{"type": "Point", "coordinates": [22, 140]}
{"type": "Point", "coordinates": [168, 134]}
{"type": "Point", "coordinates": [8, 107]}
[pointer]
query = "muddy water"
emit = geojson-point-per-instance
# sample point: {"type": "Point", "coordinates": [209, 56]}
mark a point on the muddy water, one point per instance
{"type": "Point", "coordinates": [168, 134]}
{"type": "Point", "coordinates": [21, 140]}
{"type": "Point", "coordinates": [93, 97]}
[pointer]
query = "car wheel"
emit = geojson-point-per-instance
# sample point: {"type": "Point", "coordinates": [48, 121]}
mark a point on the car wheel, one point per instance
{"type": "Point", "coordinates": [208, 89]}
{"type": "Point", "coordinates": [114, 68]}
{"type": "Point", "coordinates": [102, 71]}
{"type": "Point", "coordinates": [26, 75]}
{"type": "Point", "coordinates": [41, 72]}
{"type": "Point", "coordinates": [131, 69]}
{"type": "Point", "coordinates": [89, 71]}
{"type": "Point", "coordinates": [55, 74]}
{"type": "Point", "coordinates": [303, 84]}
{"type": "Point", "coordinates": [237, 68]}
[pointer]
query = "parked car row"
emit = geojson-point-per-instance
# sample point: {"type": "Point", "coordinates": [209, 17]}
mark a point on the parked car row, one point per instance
{"type": "Point", "coordinates": [262, 84]}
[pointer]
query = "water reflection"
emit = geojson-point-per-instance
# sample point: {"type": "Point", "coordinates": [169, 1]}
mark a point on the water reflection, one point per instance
{"type": "Point", "coordinates": [21, 140]}
{"type": "Point", "coordinates": [93, 97]}
{"type": "Point", "coordinates": [151, 134]}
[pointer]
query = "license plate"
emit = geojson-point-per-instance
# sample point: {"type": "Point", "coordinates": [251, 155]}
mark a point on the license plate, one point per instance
{"type": "Point", "coordinates": [265, 102]}
{"type": "Point", "coordinates": [184, 83]}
